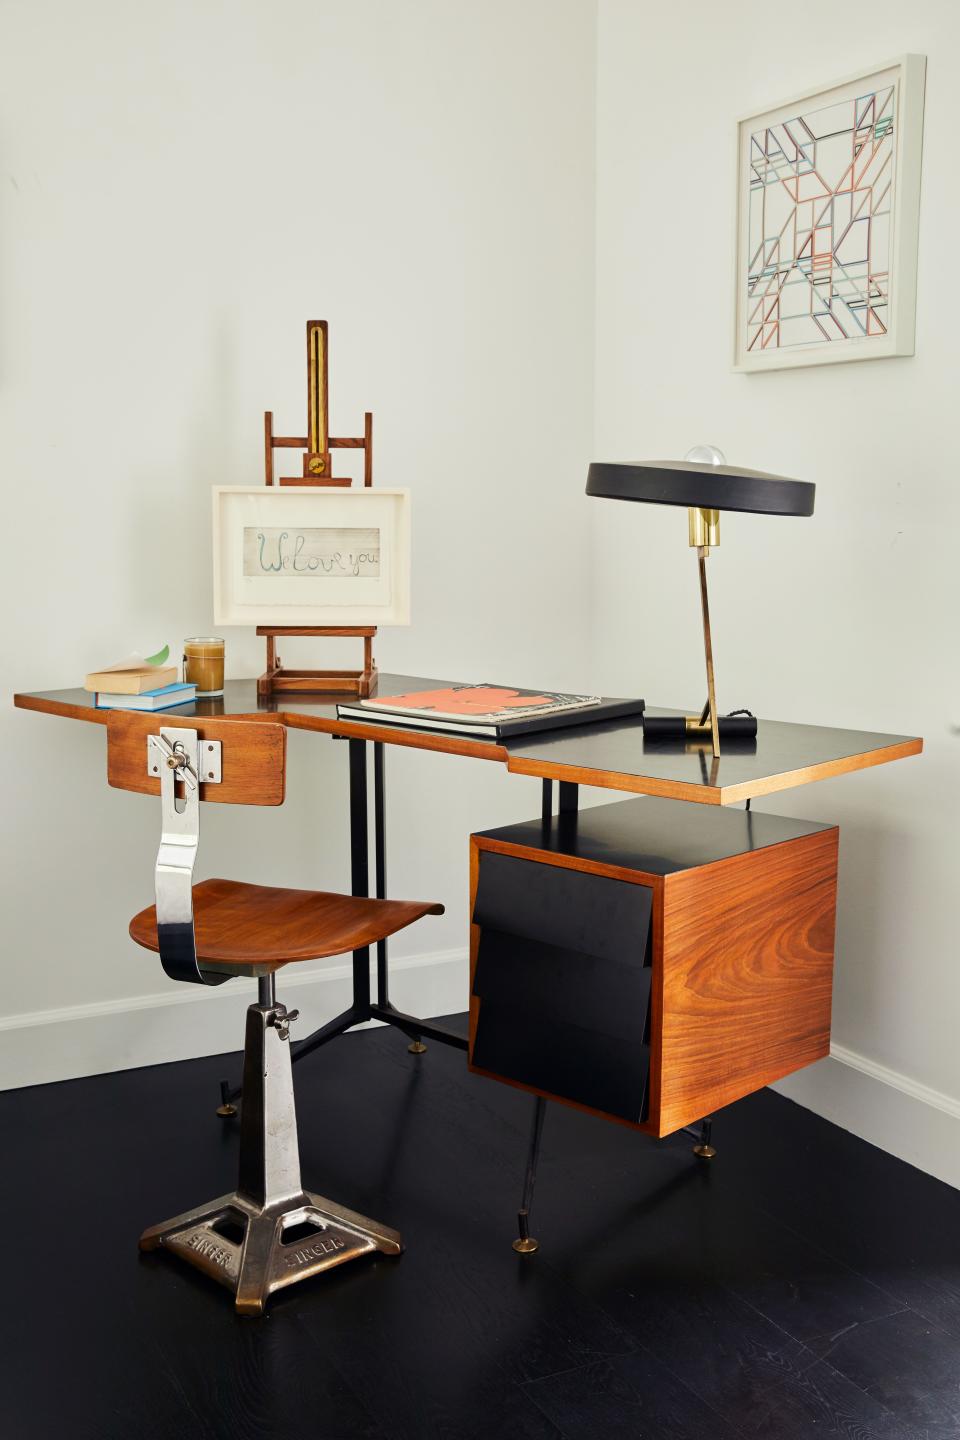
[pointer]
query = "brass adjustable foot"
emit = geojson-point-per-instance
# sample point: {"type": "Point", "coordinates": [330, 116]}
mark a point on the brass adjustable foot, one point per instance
{"type": "Point", "coordinates": [703, 1149]}
{"type": "Point", "coordinates": [226, 1109]}
{"type": "Point", "coordinates": [525, 1243]}
{"type": "Point", "coordinates": [417, 1047]}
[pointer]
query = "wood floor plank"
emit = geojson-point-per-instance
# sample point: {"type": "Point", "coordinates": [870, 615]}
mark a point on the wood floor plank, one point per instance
{"type": "Point", "coordinates": [849, 1198]}
{"type": "Point", "coordinates": [624, 1399]}
{"type": "Point", "coordinates": [909, 1365]}
{"type": "Point", "coordinates": [720, 1348]}
{"type": "Point", "coordinates": [791, 1281]}
{"type": "Point", "coordinates": [820, 1402]}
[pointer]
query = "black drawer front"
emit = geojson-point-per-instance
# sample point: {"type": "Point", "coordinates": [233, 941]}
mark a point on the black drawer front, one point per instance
{"type": "Point", "coordinates": [563, 978]}
{"type": "Point", "coordinates": [566, 985]}
{"type": "Point", "coordinates": [577, 911]}
{"type": "Point", "coordinates": [602, 1071]}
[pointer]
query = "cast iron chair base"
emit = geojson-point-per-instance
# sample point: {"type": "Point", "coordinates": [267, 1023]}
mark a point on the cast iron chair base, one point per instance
{"type": "Point", "coordinates": [269, 1232]}
{"type": "Point", "coordinates": [262, 1261]}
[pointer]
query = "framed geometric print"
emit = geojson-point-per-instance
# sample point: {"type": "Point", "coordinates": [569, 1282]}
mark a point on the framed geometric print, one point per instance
{"type": "Point", "coordinates": [828, 201]}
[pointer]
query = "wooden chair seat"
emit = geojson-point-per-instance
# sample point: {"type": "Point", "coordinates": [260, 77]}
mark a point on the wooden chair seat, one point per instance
{"type": "Point", "coordinates": [240, 924]}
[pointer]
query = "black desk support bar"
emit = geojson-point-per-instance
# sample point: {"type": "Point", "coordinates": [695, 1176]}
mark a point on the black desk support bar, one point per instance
{"type": "Point", "coordinates": [362, 1008]}
{"type": "Point", "coordinates": [569, 796]}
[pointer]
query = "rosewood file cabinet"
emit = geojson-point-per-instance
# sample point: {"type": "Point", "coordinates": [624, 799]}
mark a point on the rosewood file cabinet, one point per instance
{"type": "Point", "coordinates": [651, 960]}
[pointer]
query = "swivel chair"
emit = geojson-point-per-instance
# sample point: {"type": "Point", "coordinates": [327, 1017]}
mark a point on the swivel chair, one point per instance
{"type": "Point", "coordinates": [269, 1232]}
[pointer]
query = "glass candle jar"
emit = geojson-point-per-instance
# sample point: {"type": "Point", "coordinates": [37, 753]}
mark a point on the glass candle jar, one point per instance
{"type": "Point", "coordinates": [203, 664]}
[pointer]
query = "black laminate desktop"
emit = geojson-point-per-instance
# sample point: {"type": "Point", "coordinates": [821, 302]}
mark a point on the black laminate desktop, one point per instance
{"type": "Point", "coordinates": [612, 755]}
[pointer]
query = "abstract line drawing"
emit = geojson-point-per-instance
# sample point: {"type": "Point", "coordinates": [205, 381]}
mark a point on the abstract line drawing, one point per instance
{"type": "Point", "coordinates": [821, 197]}
{"type": "Point", "coordinates": [826, 267]}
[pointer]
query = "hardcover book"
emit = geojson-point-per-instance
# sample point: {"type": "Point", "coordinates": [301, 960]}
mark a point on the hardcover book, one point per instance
{"type": "Point", "coordinates": [133, 675]}
{"type": "Point", "coordinates": [487, 710]}
{"type": "Point", "coordinates": [160, 699]}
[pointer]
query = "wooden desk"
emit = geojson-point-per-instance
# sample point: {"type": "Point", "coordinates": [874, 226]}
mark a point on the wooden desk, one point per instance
{"type": "Point", "coordinates": [612, 755]}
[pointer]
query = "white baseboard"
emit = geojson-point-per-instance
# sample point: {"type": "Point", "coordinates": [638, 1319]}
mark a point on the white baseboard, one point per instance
{"type": "Point", "coordinates": [48, 1045]}
{"type": "Point", "coordinates": [912, 1121]}
{"type": "Point", "coordinates": [890, 1110]}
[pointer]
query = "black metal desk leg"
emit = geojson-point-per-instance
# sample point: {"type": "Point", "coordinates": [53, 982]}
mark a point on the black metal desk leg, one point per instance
{"type": "Point", "coordinates": [359, 1011]}
{"type": "Point", "coordinates": [569, 797]}
{"type": "Point", "coordinates": [524, 1243]}
{"type": "Point", "coordinates": [380, 864]}
{"type": "Point", "coordinates": [359, 865]}
{"type": "Point", "coordinates": [363, 1008]}
{"type": "Point", "coordinates": [416, 1046]}
{"type": "Point", "coordinates": [384, 1009]}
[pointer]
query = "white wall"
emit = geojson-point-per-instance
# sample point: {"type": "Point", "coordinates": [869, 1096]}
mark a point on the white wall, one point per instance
{"type": "Point", "coordinates": [849, 618]}
{"type": "Point", "coordinates": [181, 188]}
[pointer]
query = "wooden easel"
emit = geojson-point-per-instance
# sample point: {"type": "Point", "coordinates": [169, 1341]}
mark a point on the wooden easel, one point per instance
{"type": "Point", "coordinates": [317, 445]}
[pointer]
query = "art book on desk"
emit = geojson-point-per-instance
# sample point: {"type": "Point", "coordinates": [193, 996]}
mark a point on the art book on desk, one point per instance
{"type": "Point", "coordinates": [496, 711]}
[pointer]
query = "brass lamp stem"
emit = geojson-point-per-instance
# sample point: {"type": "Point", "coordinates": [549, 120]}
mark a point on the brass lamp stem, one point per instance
{"type": "Point", "coordinates": [711, 705]}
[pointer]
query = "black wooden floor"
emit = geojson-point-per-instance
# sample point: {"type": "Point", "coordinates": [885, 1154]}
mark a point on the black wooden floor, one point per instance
{"type": "Point", "coordinates": [803, 1284]}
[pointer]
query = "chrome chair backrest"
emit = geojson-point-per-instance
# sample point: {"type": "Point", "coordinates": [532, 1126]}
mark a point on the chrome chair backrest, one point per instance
{"type": "Point", "coordinates": [174, 753]}
{"type": "Point", "coordinates": [236, 762]}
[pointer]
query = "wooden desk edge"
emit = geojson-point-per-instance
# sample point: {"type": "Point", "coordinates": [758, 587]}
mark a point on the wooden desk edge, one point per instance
{"type": "Point", "coordinates": [719, 794]}
{"type": "Point", "coordinates": [518, 765]}
{"type": "Point", "coordinates": [395, 735]}
{"type": "Point", "coordinates": [56, 707]}
{"type": "Point", "coordinates": [292, 720]}
{"type": "Point", "coordinates": [790, 779]}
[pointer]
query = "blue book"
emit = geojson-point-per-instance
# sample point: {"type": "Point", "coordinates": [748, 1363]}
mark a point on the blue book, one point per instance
{"type": "Point", "coordinates": [162, 699]}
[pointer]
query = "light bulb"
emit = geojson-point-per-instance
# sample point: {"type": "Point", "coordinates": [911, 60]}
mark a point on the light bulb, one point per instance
{"type": "Point", "coordinates": [706, 455]}
{"type": "Point", "coordinates": [703, 526]}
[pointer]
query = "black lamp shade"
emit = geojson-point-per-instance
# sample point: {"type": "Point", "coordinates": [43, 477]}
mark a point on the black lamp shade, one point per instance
{"type": "Point", "coordinates": [701, 486]}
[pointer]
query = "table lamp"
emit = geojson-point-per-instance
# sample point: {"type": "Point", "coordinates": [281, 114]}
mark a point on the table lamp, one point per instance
{"type": "Point", "coordinates": [705, 484]}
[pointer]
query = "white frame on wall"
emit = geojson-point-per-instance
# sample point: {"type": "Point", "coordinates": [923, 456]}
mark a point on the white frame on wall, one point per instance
{"type": "Point", "coordinates": [304, 598]}
{"type": "Point", "coordinates": [909, 75]}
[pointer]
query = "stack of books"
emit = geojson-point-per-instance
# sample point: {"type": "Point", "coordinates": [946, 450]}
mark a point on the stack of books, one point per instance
{"type": "Point", "coordinates": [138, 684]}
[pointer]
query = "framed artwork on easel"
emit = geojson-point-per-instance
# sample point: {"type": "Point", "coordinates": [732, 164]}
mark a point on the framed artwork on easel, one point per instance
{"type": "Point", "coordinates": [308, 554]}
{"type": "Point", "coordinates": [288, 556]}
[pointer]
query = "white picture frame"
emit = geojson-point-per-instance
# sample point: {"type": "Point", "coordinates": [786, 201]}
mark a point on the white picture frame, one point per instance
{"type": "Point", "coordinates": [310, 555]}
{"type": "Point", "coordinates": [792, 327]}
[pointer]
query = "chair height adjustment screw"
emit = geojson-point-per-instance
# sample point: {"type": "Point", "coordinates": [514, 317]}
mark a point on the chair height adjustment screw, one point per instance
{"type": "Point", "coordinates": [282, 1021]}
